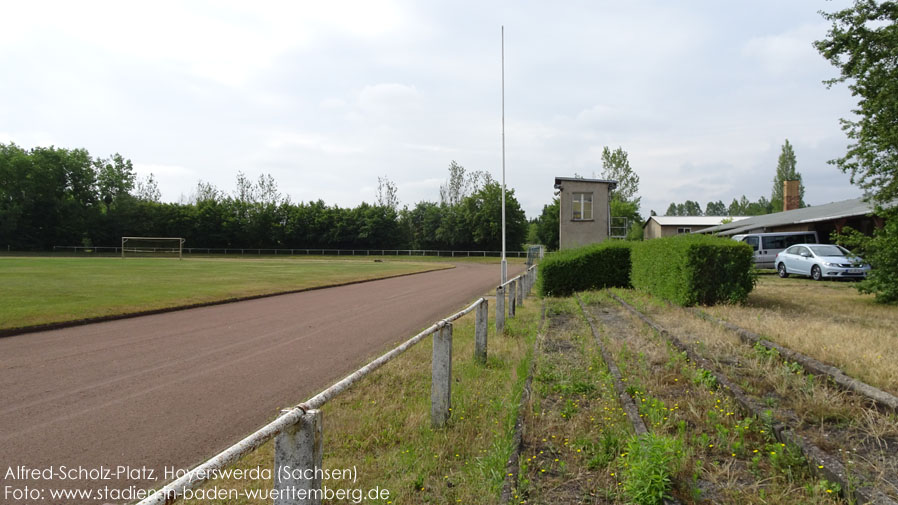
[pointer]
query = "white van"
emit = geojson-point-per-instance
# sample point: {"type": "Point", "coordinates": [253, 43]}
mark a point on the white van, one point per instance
{"type": "Point", "coordinates": [767, 245]}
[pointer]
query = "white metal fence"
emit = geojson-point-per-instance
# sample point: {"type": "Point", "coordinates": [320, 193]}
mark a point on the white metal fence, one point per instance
{"type": "Point", "coordinates": [215, 251]}
{"type": "Point", "coordinates": [297, 432]}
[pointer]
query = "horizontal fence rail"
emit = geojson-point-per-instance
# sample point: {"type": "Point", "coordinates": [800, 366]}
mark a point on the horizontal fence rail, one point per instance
{"type": "Point", "coordinates": [298, 430]}
{"type": "Point", "coordinates": [211, 251]}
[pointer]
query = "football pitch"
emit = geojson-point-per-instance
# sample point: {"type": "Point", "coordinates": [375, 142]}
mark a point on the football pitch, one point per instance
{"type": "Point", "coordinates": [43, 290]}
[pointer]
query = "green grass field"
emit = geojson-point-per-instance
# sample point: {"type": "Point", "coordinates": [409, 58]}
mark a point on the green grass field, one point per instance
{"type": "Point", "coordinates": [41, 290]}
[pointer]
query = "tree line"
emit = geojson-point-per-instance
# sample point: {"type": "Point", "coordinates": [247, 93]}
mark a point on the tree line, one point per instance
{"type": "Point", "coordinates": [55, 196]}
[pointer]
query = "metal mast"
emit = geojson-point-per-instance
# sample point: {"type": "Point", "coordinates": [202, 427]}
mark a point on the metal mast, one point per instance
{"type": "Point", "coordinates": [504, 274]}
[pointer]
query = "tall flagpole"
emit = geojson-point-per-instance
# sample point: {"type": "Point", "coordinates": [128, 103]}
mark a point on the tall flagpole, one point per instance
{"type": "Point", "coordinates": [504, 263]}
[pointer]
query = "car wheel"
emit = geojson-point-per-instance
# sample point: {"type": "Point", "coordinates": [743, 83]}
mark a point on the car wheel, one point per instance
{"type": "Point", "coordinates": [781, 270]}
{"type": "Point", "coordinates": [816, 274]}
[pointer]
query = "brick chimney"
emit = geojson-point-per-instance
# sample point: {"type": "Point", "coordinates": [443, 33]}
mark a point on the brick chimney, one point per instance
{"type": "Point", "coordinates": [791, 196]}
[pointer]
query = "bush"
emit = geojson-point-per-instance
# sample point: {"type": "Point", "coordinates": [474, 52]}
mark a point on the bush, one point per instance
{"type": "Point", "coordinates": [651, 461]}
{"type": "Point", "coordinates": [882, 254]}
{"type": "Point", "coordinates": [694, 269]}
{"type": "Point", "coordinates": [590, 267]}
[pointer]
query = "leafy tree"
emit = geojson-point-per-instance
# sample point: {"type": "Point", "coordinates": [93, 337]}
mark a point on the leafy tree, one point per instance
{"type": "Point", "coordinates": [422, 222]}
{"type": "Point", "coordinates": [672, 210]}
{"type": "Point", "coordinates": [147, 189]}
{"type": "Point", "coordinates": [547, 225]}
{"type": "Point", "coordinates": [461, 184]}
{"type": "Point", "coordinates": [863, 43]}
{"type": "Point", "coordinates": [387, 193]}
{"type": "Point", "coordinates": [483, 218]}
{"type": "Point", "coordinates": [206, 191]}
{"type": "Point", "coordinates": [636, 231]}
{"type": "Point", "coordinates": [115, 177]}
{"type": "Point", "coordinates": [735, 209]}
{"type": "Point", "coordinates": [532, 231]}
{"type": "Point", "coordinates": [624, 202]}
{"type": "Point", "coordinates": [630, 211]}
{"type": "Point", "coordinates": [716, 209]}
{"type": "Point", "coordinates": [785, 171]}
{"type": "Point", "coordinates": [691, 208]}
{"type": "Point", "coordinates": [616, 167]}
{"type": "Point", "coordinates": [761, 207]}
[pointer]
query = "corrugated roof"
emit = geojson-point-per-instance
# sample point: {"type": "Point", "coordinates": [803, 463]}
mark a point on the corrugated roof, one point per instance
{"type": "Point", "coordinates": [691, 220]}
{"type": "Point", "coordinates": [835, 210]}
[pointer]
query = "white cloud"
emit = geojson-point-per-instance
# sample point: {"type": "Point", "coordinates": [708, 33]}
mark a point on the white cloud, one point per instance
{"type": "Point", "coordinates": [389, 98]}
{"type": "Point", "coordinates": [788, 52]}
{"type": "Point", "coordinates": [316, 142]}
{"type": "Point", "coordinates": [701, 95]}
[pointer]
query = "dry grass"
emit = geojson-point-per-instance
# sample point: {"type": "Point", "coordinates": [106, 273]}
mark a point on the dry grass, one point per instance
{"type": "Point", "coordinates": [382, 426]}
{"type": "Point", "coordinates": [839, 422]}
{"type": "Point", "coordinates": [729, 458]}
{"type": "Point", "coordinates": [576, 429]}
{"type": "Point", "coordinates": [830, 321]}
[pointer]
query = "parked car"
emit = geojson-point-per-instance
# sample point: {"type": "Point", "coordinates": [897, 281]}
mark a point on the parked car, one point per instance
{"type": "Point", "coordinates": [768, 245]}
{"type": "Point", "coordinates": [820, 261]}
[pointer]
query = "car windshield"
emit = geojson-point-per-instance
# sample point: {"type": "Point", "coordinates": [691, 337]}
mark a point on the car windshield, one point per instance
{"type": "Point", "coordinates": [828, 250]}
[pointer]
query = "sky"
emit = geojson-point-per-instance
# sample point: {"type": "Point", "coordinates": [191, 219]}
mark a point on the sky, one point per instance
{"type": "Point", "coordinates": [328, 96]}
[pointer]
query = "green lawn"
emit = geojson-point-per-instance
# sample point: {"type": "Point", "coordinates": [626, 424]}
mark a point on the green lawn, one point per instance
{"type": "Point", "coordinates": [40, 290]}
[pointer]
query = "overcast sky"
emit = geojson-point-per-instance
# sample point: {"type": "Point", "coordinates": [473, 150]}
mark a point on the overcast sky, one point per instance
{"type": "Point", "coordinates": [327, 96]}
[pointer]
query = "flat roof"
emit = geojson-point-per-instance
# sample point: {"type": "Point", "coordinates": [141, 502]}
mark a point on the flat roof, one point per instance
{"type": "Point", "coordinates": [558, 180]}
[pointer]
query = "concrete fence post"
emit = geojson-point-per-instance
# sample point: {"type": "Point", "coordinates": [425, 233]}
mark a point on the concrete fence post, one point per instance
{"type": "Point", "coordinates": [500, 310]}
{"type": "Point", "coordinates": [481, 314]}
{"type": "Point", "coordinates": [298, 449]}
{"type": "Point", "coordinates": [512, 295]}
{"type": "Point", "coordinates": [441, 377]}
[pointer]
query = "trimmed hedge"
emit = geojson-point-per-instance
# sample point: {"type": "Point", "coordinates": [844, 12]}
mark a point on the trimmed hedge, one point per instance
{"type": "Point", "coordinates": [590, 267]}
{"type": "Point", "coordinates": [694, 269]}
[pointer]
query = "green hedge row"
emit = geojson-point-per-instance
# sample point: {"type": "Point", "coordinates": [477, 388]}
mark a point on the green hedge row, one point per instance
{"type": "Point", "coordinates": [686, 269]}
{"type": "Point", "coordinates": [694, 269]}
{"type": "Point", "coordinates": [590, 267]}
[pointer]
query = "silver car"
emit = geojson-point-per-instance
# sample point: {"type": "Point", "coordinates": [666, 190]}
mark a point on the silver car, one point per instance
{"type": "Point", "coordinates": [820, 261]}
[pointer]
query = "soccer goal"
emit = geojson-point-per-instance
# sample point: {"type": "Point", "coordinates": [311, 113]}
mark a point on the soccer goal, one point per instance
{"type": "Point", "coordinates": [164, 247]}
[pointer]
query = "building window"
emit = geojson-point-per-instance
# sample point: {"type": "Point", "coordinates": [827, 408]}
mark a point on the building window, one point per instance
{"type": "Point", "coordinates": [681, 231]}
{"type": "Point", "coordinates": [582, 207]}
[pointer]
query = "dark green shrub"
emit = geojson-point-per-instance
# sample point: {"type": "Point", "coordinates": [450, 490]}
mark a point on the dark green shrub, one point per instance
{"type": "Point", "coordinates": [590, 267]}
{"type": "Point", "coordinates": [694, 269]}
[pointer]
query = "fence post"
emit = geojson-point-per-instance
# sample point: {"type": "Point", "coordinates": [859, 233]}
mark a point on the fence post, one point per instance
{"type": "Point", "coordinates": [299, 449]}
{"type": "Point", "coordinates": [500, 310]}
{"type": "Point", "coordinates": [481, 314]}
{"type": "Point", "coordinates": [519, 297]}
{"type": "Point", "coordinates": [512, 297]}
{"type": "Point", "coordinates": [535, 274]}
{"type": "Point", "coordinates": [441, 377]}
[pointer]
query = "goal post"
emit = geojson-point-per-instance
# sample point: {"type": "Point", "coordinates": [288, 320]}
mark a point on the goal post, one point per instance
{"type": "Point", "coordinates": [168, 247]}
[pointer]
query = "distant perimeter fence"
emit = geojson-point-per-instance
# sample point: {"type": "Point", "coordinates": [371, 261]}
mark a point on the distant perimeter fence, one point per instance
{"type": "Point", "coordinates": [298, 430]}
{"type": "Point", "coordinates": [230, 251]}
